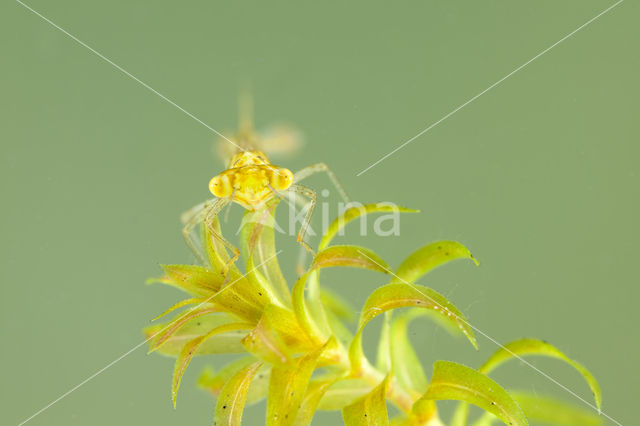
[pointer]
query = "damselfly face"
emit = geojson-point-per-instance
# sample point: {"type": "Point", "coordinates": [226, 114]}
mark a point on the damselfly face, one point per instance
{"type": "Point", "coordinates": [251, 180]}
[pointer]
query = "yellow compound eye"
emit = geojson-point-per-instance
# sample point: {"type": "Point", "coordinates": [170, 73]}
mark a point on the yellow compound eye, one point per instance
{"type": "Point", "coordinates": [220, 186]}
{"type": "Point", "coordinates": [281, 179]}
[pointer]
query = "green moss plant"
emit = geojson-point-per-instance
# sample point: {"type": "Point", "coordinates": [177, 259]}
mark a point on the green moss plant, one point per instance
{"type": "Point", "coordinates": [297, 349]}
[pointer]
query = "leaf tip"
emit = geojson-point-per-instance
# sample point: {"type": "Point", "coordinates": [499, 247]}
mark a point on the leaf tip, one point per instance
{"type": "Point", "coordinates": [157, 317]}
{"type": "Point", "coordinates": [474, 342]}
{"type": "Point", "coordinates": [153, 346]}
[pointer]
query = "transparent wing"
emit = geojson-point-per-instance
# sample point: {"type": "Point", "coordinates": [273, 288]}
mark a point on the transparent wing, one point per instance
{"type": "Point", "coordinates": [224, 149]}
{"type": "Point", "coordinates": [280, 140]}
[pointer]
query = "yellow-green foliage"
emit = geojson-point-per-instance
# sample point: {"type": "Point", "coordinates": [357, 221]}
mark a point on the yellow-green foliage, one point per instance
{"type": "Point", "coordinates": [296, 348]}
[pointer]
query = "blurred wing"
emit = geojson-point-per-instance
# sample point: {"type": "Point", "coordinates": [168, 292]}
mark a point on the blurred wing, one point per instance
{"type": "Point", "coordinates": [224, 149]}
{"type": "Point", "coordinates": [280, 140]}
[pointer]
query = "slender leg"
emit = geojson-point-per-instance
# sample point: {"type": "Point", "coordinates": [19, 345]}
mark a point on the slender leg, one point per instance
{"type": "Point", "coordinates": [302, 252]}
{"type": "Point", "coordinates": [303, 174]}
{"type": "Point", "coordinates": [293, 193]}
{"type": "Point", "coordinates": [192, 217]}
{"type": "Point", "coordinates": [296, 200]}
{"type": "Point", "coordinates": [311, 195]}
{"type": "Point", "coordinates": [321, 167]}
{"type": "Point", "coordinates": [209, 219]}
{"type": "Point", "coordinates": [186, 216]}
{"type": "Point", "coordinates": [226, 215]}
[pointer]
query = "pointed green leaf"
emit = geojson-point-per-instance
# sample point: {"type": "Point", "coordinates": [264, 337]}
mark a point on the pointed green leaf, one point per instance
{"type": "Point", "coordinates": [526, 347]}
{"type": "Point", "coordinates": [277, 336]}
{"type": "Point", "coordinates": [353, 256]}
{"type": "Point", "coordinates": [238, 296]}
{"type": "Point", "coordinates": [317, 309]}
{"type": "Point", "coordinates": [424, 411]}
{"type": "Point", "coordinates": [189, 350]}
{"type": "Point", "coordinates": [315, 391]}
{"type": "Point", "coordinates": [257, 235]}
{"type": "Point", "coordinates": [242, 297]}
{"type": "Point", "coordinates": [317, 319]}
{"type": "Point", "coordinates": [355, 212]}
{"type": "Point", "coordinates": [287, 388]}
{"type": "Point", "coordinates": [195, 327]}
{"type": "Point", "coordinates": [458, 382]}
{"type": "Point", "coordinates": [357, 358]}
{"type": "Point", "coordinates": [312, 315]}
{"type": "Point", "coordinates": [428, 257]}
{"type": "Point", "coordinates": [217, 253]}
{"type": "Point", "coordinates": [333, 356]}
{"type": "Point", "coordinates": [553, 411]}
{"type": "Point", "coordinates": [214, 381]}
{"type": "Point", "coordinates": [266, 344]}
{"type": "Point", "coordinates": [440, 320]}
{"type": "Point", "coordinates": [407, 368]}
{"type": "Point", "coordinates": [260, 385]}
{"type": "Point", "coordinates": [285, 324]}
{"type": "Point", "coordinates": [539, 408]}
{"type": "Point", "coordinates": [230, 404]}
{"type": "Point", "coordinates": [260, 285]}
{"type": "Point", "coordinates": [302, 311]}
{"type": "Point", "coordinates": [252, 226]}
{"type": "Point", "coordinates": [370, 409]}
{"type": "Point", "coordinates": [195, 280]}
{"type": "Point", "coordinates": [181, 304]}
{"type": "Point", "coordinates": [392, 296]}
{"type": "Point", "coordinates": [342, 393]}
{"type": "Point", "coordinates": [258, 248]}
{"type": "Point", "coordinates": [162, 336]}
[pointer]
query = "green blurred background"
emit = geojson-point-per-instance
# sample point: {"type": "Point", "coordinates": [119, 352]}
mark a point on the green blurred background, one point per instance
{"type": "Point", "coordinates": [539, 178]}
